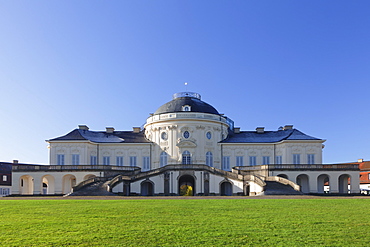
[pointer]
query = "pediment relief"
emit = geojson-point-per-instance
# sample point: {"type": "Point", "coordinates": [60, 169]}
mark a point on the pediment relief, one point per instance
{"type": "Point", "coordinates": [186, 143]}
{"type": "Point", "coordinates": [311, 149]}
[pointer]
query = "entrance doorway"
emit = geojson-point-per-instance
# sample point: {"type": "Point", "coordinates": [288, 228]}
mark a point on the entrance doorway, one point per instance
{"type": "Point", "coordinates": [186, 185]}
{"type": "Point", "coordinates": [226, 189]}
{"type": "Point", "coordinates": [147, 188]}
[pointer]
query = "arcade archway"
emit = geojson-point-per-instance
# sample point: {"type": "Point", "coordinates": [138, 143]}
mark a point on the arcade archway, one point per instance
{"type": "Point", "coordinates": [303, 181]}
{"type": "Point", "coordinates": [68, 182]}
{"type": "Point", "coordinates": [48, 185]}
{"type": "Point", "coordinates": [343, 182]}
{"type": "Point", "coordinates": [323, 183]}
{"type": "Point", "coordinates": [26, 185]}
{"type": "Point", "coordinates": [186, 185]}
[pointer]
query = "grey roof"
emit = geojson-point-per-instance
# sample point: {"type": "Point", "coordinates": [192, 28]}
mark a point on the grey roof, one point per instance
{"type": "Point", "coordinates": [103, 137]}
{"type": "Point", "coordinates": [197, 105]}
{"type": "Point", "coordinates": [267, 136]}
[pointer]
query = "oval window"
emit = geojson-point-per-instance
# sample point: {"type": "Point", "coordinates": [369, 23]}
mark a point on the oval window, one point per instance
{"type": "Point", "coordinates": [209, 135]}
{"type": "Point", "coordinates": [186, 134]}
{"type": "Point", "coordinates": [164, 136]}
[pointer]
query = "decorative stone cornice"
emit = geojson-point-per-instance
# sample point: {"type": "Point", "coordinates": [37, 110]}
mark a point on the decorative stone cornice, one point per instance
{"type": "Point", "coordinates": [186, 143]}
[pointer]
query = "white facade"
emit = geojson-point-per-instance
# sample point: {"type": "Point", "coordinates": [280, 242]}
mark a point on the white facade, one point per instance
{"type": "Point", "coordinates": [185, 142]}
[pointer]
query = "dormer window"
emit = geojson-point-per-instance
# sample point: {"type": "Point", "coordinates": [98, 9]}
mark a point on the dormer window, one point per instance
{"type": "Point", "coordinates": [186, 108]}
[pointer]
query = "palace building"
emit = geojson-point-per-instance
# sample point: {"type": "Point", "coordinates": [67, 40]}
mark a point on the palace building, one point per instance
{"type": "Point", "coordinates": [185, 147]}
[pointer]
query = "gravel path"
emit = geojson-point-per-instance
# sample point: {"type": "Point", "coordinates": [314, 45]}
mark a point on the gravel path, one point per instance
{"type": "Point", "coordinates": [178, 197]}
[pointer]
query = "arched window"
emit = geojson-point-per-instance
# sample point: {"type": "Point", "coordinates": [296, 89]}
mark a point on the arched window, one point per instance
{"type": "Point", "coordinates": [186, 158]}
{"type": "Point", "coordinates": [209, 159]}
{"type": "Point", "coordinates": [163, 159]}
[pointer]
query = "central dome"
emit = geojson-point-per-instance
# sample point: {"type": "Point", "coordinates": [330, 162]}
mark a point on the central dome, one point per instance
{"type": "Point", "coordinates": [186, 101]}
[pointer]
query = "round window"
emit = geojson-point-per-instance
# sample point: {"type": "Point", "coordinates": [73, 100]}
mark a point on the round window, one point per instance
{"type": "Point", "coordinates": [209, 135]}
{"type": "Point", "coordinates": [164, 135]}
{"type": "Point", "coordinates": [186, 134]}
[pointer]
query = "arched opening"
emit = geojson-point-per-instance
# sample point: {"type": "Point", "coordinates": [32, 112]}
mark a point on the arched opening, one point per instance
{"type": "Point", "coordinates": [344, 185]}
{"type": "Point", "coordinates": [89, 176]}
{"type": "Point", "coordinates": [247, 190]}
{"type": "Point", "coordinates": [283, 176]}
{"type": "Point", "coordinates": [303, 181]}
{"type": "Point", "coordinates": [44, 189]}
{"type": "Point", "coordinates": [206, 187]}
{"type": "Point", "coordinates": [186, 185]}
{"type": "Point", "coordinates": [68, 182]}
{"type": "Point", "coordinates": [186, 158]}
{"type": "Point", "coordinates": [323, 184]}
{"type": "Point", "coordinates": [147, 188]}
{"type": "Point", "coordinates": [226, 188]}
{"type": "Point", "coordinates": [26, 185]}
{"type": "Point", "coordinates": [48, 185]}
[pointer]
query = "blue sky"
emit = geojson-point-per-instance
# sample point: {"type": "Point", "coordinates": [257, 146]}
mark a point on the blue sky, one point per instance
{"type": "Point", "coordinates": [111, 63]}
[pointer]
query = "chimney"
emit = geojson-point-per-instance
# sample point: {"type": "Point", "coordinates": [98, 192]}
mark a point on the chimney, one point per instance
{"type": "Point", "coordinates": [136, 129]}
{"type": "Point", "coordinates": [109, 129]}
{"type": "Point", "coordinates": [83, 127]}
{"type": "Point", "coordinates": [236, 130]}
{"type": "Point", "coordinates": [360, 160]}
{"type": "Point", "coordinates": [15, 161]}
{"type": "Point", "coordinates": [288, 127]}
{"type": "Point", "coordinates": [260, 130]}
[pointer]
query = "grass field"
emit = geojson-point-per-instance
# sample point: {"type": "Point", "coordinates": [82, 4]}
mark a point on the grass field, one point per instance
{"type": "Point", "coordinates": [207, 222]}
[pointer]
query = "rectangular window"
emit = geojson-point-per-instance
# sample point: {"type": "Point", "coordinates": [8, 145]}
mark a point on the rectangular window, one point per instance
{"type": "Point", "coordinates": [75, 159]}
{"type": "Point", "coordinates": [226, 163]}
{"type": "Point", "coordinates": [209, 159]}
{"type": "Point", "coordinates": [60, 159]}
{"type": "Point", "coordinates": [106, 160]}
{"type": "Point", "coordinates": [5, 178]}
{"type": "Point", "coordinates": [132, 160]}
{"type": "Point", "coordinates": [265, 160]}
{"type": "Point", "coordinates": [310, 159]}
{"type": "Point", "coordinates": [119, 161]}
{"type": "Point", "coordinates": [4, 191]}
{"type": "Point", "coordinates": [279, 160]}
{"type": "Point", "coordinates": [239, 161]}
{"type": "Point", "coordinates": [93, 160]}
{"type": "Point", "coordinates": [146, 163]}
{"type": "Point", "coordinates": [368, 176]}
{"type": "Point", "coordinates": [163, 159]}
{"type": "Point", "coordinates": [296, 159]}
{"type": "Point", "coordinates": [252, 160]}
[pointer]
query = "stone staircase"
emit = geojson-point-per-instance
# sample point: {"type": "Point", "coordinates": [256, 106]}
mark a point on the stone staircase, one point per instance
{"type": "Point", "coordinates": [98, 188]}
{"type": "Point", "coordinates": [276, 188]}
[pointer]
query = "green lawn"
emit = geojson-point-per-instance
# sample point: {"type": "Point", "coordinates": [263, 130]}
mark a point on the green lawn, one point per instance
{"type": "Point", "coordinates": [208, 222]}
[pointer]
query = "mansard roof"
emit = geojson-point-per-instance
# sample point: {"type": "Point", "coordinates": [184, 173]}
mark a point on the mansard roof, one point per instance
{"type": "Point", "coordinates": [103, 137]}
{"type": "Point", "coordinates": [268, 136]}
